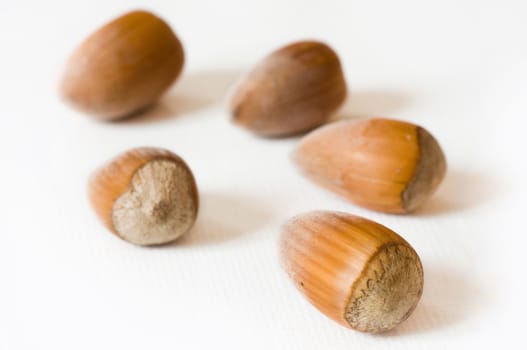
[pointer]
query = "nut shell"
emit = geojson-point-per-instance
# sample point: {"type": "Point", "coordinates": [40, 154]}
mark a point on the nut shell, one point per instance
{"type": "Point", "coordinates": [355, 271]}
{"type": "Point", "coordinates": [293, 90]}
{"type": "Point", "coordinates": [123, 67]}
{"type": "Point", "coordinates": [146, 196]}
{"type": "Point", "coordinates": [381, 164]}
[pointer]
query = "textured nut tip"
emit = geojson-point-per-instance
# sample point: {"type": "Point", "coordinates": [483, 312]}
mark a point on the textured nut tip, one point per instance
{"type": "Point", "coordinates": [380, 164]}
{"type": "Point", "coordinates": [146, 196]}
{"type": "Point", "coordinates": [430, 171]}
{"type": "Point", "coordinates": [293, 90]}
{"type": "Point", "coordinates": [387, 291]}
{"type": "Point", "coordinates": [355, 271]}
{"type": "Point", "coordinates": [123, 68]}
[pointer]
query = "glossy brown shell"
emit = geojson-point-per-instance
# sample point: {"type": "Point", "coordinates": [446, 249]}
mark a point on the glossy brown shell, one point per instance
{"type": "Point", "coordinates": [123, 67]}
{"type": "Point", "coordinates": [381, 164]}
{"type": "Point", "coordinates": [293, 90]}
{"type": "Point", "coordinates": [357, 272]}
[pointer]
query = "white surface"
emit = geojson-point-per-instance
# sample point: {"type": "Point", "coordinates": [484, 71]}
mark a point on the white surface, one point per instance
{"type": "Point", "coordinates": [459, 68]}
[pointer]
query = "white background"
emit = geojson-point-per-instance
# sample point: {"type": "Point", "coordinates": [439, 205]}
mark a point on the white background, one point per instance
{"type": "Point", "coordinates": [457, 67]}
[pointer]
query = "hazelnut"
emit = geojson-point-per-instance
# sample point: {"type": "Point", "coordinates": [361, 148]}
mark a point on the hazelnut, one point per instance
{"type": "Point", "coordinates": [146, 196]}
{"type": "Point", "coordinates": [380, 164]}
{"type": "Point", "coordinates": [357, 272]}
{"type": "Point", "coordinates": [123, 67]}
{"type": "Point", "coordinates": [294, 89]}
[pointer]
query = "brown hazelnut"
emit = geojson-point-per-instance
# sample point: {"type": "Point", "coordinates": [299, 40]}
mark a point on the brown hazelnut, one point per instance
{"type": "Point", "coordinates": [146, 196]}
{"type": "Point", "coordinates": [380, 164]}
{"type": "Point", "coordinates": [123, 67]}
{"type": "Point", "coordinates": [294, 89]}
{"type": "Point", "coordinates": [357, 272]}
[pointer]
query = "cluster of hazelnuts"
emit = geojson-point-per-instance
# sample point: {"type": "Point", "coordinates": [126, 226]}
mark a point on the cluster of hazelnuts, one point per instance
{"type": "Point", "coordinates": [356, 271]}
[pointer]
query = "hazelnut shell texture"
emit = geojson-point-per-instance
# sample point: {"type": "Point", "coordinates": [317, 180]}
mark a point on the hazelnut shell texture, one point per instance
{"type": "Point", "coordinates": [123, 67]}
{"type": "Point", "coordinates": [357, 272]}
{"type": "Point", "coordinates": [381, 164]}
{"type": "Point", "coordinates": [293, 90]}
{"type": "Point", "coordinates": [146, 196]}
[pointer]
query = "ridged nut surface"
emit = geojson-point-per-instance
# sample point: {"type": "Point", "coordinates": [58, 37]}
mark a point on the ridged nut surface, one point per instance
{"type": "Point", "coordinates": [123, 67]}
{"type": "Point", "coordinates": [355, 271]}
{"type": "Point", "coordinates": [381, 164]}
{"type": "Point", "coordinates": [293, 90]}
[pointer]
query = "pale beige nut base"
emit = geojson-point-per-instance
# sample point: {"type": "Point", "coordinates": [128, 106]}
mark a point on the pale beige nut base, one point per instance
{"type": "Point", "coordinates": [158, 207]}
{"type": "Point", "coordinates": [429, 172]}
{"type": "Point", "coordinates": [387, 291]}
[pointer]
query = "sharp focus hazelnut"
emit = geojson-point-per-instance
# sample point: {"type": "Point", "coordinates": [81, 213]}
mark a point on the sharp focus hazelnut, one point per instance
{"type": "Point", "coordinates": [146, 196]}
{"type": "Point", "coordinates": [357, 272]}
{"type": "Point", "coordinates": [381, 164]}
{"type": "Point", "coordinates": [123, 67]}
{"type": "Point", "coordinates": [293, 90]}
